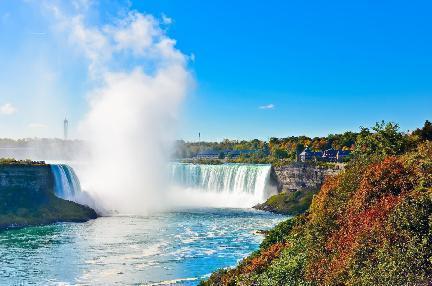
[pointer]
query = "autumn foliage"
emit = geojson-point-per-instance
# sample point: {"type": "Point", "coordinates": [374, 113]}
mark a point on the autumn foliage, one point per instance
{"type": "Point", "coordinates": [369, 225]}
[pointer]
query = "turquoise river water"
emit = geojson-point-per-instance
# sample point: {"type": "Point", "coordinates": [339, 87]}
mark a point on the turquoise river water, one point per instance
{"type": "Point", "coordinates": [174, 248]}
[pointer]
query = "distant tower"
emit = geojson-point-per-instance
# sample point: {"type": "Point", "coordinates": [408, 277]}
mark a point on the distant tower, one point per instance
{"type": "Point", "coordinates": [65, 128]}
{"type": "Point", "coordinates": [199, 136]}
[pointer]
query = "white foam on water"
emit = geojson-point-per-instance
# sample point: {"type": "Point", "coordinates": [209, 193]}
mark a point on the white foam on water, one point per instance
{"type": "Point", "coordinates": [227, 185]}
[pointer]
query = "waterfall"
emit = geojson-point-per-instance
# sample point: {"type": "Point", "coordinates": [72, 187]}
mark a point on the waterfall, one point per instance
{"type": "Point", "coordinates": [226, 185]}
{"type": "Point", "coordinates": [66, 183]}
{"type": "Point", "coordinates": [192, 185]}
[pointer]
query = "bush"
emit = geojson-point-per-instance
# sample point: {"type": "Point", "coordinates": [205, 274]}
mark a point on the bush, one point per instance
{"type": "Point", "coordinates": [369, 225]}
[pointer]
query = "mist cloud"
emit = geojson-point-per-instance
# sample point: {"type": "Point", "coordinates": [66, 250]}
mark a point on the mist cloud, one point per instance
{"type": "Point", "coordinates": [140, 80]}
{"type": "Point", "coordinates": [7, 109]}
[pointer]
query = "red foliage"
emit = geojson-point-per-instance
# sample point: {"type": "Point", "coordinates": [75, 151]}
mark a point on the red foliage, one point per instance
{"type": "Point", "coordinates": [381, 188]}
{"type": "Point", "coordinates": [388, 177]}
{"type": "Point", "coordinates": [358, 226]}
{"type": "Point", "coordinates": [256, 264]}
{"type": "Point", "coordinates": [324, 198]}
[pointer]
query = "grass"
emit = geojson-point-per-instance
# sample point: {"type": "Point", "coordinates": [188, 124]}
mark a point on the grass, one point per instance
{"type": "Point", "coordinates": [289, 203]}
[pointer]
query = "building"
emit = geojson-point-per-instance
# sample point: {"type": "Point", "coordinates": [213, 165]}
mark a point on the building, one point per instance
{"type": "Point", "coordinates": [309, 155]}
{"type": "Point", "coordinates": [330, 155]}
{"type": "Point", "coordinates": [342, 155]}
{"type": "Point", "coordinates": [208, 154]}
{"type": "Point", "coordinates": [231, 154]}
{"type": "Point", "coordinates": [234, 154]}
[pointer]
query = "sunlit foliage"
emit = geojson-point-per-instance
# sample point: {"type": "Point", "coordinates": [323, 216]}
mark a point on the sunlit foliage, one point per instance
{"type": "Point", "coordinates": [369, 225]}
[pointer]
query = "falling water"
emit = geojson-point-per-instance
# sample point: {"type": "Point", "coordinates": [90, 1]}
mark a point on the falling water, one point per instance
{"type": "Point", "coordinates": [66, 182]}
{"type": "Point", "coordinates": [226, 185]}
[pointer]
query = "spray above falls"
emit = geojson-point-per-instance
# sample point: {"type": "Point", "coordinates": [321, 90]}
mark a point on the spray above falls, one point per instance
{"type": "Point", "coordinates": [138, 82]}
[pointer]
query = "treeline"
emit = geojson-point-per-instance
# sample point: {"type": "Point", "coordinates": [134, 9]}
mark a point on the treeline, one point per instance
{"type": "Point", "coordinates": [368, 225]}
{"type": "Point", "coordinates": [286, 149]}
{"type": "Point", "coordinates": [43, 149]}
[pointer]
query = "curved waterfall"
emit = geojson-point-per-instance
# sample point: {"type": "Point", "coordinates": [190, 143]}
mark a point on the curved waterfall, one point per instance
{"type": "Point", "coordinates": [66, 183]}
{"type": "Point", "coordinates": [234, 185]}
{"type": "Point", "coordinates": [193, 185]}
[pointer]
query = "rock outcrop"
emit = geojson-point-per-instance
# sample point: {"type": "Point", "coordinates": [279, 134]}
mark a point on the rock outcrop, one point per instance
{"type": "Point", "coordinates": [299, 176]}
{"type": "Point", "coordinates": [33, 178]}
{"type": "Point", "coordinates": [27, 198]}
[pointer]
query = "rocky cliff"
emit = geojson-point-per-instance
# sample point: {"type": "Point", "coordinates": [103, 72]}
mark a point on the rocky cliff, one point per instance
{"type": "Point", "coordinates": [27, 198]}
{"type": "Point", "coordinates": [301, 176]}
{"type": "Point", "coordinates": [34, 178]}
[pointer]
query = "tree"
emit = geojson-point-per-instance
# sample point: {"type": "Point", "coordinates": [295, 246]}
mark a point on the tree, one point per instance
{"type": "Point", "coordinates": [424, 133]}
{"type": "Point", "coordinates": [386, 139]}
{"type": "Point", "coordinates": [280, 153]}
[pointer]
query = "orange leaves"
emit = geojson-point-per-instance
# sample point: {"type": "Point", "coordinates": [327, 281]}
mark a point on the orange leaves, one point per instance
{"type": "Point", "coordinates": [369, 225]}
{"type": "Point", "coordinates": [258, 263]}
{"type": "Point", "coordinates": [386, 178]}
{"type": "Point", "coordinates": [420, 163]}
{"type": "Point", "coordinates": [325, 197]}
{"type": "Point", "coordinates": [359, 223]}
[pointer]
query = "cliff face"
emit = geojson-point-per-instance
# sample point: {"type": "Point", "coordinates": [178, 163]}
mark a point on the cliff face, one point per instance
{"type": "Point", "coordinates": [27, 198]}
{"type": "Point", "coordinates": [301, 176]}
{"type": "Point", "coordinates": [36, 178]}
{"type": "Point", "coordinates": [297, 184]}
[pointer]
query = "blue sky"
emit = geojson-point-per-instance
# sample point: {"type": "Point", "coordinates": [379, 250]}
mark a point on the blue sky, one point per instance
{"type": "Point", "coordinates": [261, 68]}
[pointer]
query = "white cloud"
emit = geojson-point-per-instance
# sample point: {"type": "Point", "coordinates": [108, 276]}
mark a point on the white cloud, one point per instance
{"type": "Point", "coordinates": [192, 57]}
{"type": "Point", "coordinates": [81, 4]}
{"type": "Point", "coordinates": [137, 34]}
{"type": "Point", "coordinates": [7, 109]}
{"type": "Point", "coordinates": [268, 106]}
{"type": "Point", "coordinates": [166, 20]}
{"type": "Point", "coordinates": [37, 126]}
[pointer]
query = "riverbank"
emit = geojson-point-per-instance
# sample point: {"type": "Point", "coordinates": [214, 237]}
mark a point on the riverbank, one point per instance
{"type": "Point", "coordinates": [289, 203]}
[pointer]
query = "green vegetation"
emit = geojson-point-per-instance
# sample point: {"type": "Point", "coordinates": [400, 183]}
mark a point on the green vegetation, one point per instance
{"type": "Point", "coordinates": [9, 161]}
{"type": "Point", "coordinates": [276, 151]}
{"type": "Point", "coordinates": [368, 225]}
{"type": "Point", "coordinates": [383, 138]}
{"type": "Point", "coordinates": [27, 197]}
{"type": "Point", "coordinates": [424, 133]}
{"type": "Point", "coordinates": [203, 161]}
{"type": "Point", "coordinates": [21, 207]}
{"type": "Point", "coordinates": [289, 203]}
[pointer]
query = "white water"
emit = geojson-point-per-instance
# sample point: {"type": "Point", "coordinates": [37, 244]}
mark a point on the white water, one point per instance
{"type": "Point", "coordinates": [67, 186]}
{"type": "Point", "coordinates": [192, 185]}
{"type": "Point", "coordinates": [227, 185]}
{"type": "Point", "coordinates": [66, 182]}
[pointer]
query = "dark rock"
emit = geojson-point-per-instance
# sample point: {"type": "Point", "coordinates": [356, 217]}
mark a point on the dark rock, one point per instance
{"type": "Point", "coordinates": [27, 198]}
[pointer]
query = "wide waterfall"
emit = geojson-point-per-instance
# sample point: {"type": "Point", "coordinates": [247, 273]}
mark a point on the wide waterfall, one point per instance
{"type": "Point", "coordinates": [226, 185]}
{"type": "Point", "coordinates": [66, 182]}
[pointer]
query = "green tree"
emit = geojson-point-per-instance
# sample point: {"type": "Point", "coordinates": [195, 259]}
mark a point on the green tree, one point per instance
{"type": "Point", "coordinates": [280, 153]}
{"type": "Point", "coordinates": [384, 139]}
{"type": "Point", "coordinates": [424, 133]}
